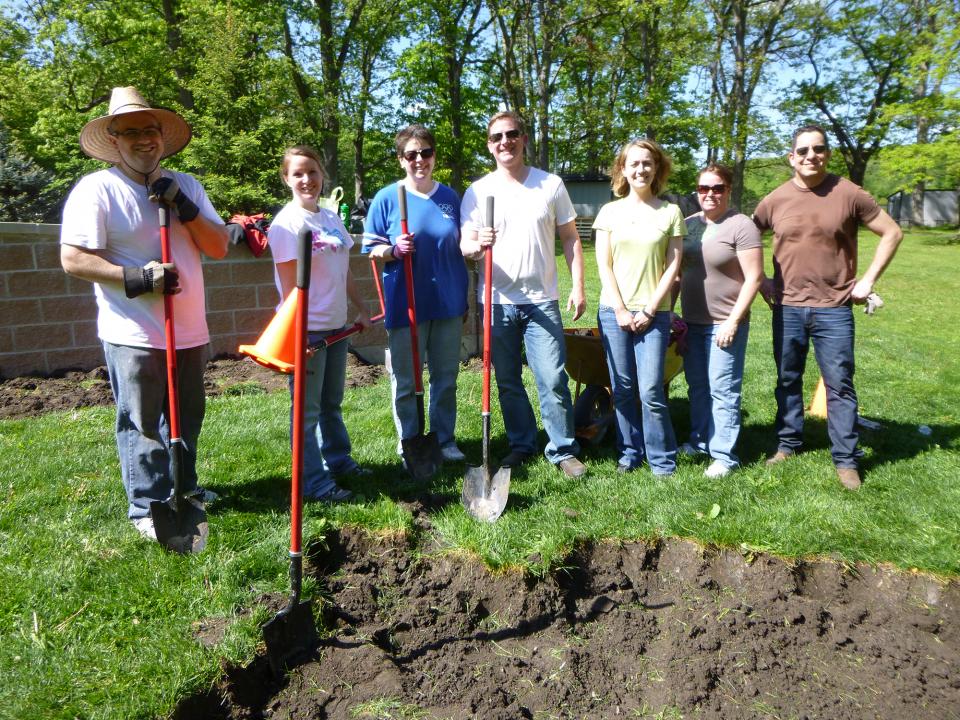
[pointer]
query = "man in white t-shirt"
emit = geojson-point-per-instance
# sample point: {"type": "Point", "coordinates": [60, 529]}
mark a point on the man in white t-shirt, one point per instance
{"type": "Point", "coordinates": [111, 237]}
{"type": "Point", "coordinates": [531, 208]}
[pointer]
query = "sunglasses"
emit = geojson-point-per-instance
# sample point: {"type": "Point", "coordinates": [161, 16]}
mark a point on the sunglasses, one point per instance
{"type": "Point", "coordinates": [411, 155]}
{"type": "Point", "coordinates": [509, 135]}
{"type": "Point", "coordinates": [715, 189]}
{"type": "Point", "coordinates": [817, 149]}
{"type": "Point", "coordinates": [150, 133]}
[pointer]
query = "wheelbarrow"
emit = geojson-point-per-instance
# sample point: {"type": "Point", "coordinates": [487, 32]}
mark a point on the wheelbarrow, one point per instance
{"type": "Point", "coordinates": [593, 411]}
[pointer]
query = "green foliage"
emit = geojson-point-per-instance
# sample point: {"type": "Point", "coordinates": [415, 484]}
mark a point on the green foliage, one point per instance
{"type": "Point", "coordinates": [24, 187]}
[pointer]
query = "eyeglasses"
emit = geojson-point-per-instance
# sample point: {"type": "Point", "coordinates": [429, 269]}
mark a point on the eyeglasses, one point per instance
{"type": "Point", "coordinates": [817, 149]}
{"type": "Point", "coordinates": [134, 134]}
{"type": "Point", "coordinates": [715, 189]}
{"type": "Point", "coordinates": [509, 135]}
{"type": "Point", "coordinates": [411, 155]}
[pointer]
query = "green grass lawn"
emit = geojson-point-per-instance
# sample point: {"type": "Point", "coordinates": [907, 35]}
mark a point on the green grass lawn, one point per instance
{"type": "Point", "coordinates": [95, 623]}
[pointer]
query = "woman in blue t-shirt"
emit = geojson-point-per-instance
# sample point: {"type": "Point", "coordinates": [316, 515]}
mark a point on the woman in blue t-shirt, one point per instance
{"type": "Point", "coordinates": [440, 286]}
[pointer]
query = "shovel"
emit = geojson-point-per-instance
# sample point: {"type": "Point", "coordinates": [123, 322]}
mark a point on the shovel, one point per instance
{"type": "Point", "coordinates": [421, 453]}
{"type": "Point", "coordinates": [180, 522]}
{"type": "Point", "coordinates": [292, 635]}
{"type": "Point", "coordinates": [485, 493]}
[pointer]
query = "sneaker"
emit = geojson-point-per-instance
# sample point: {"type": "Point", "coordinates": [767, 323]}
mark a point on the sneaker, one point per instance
{"type": "Point", "coordinates": [624, 469]}
{"type": "Point", "coordinates": [206, 496]}
{"type": "Point", "coordinates": [572, 467]}
{"type": "Point", "coordinates": [335, 495]}
{"type": "Point", "coordinates": [849, 478]}
{"type": "Point", "coordinates": [717, 470]}
{"type": "Point", "coordinates": [778, 457]}
{"type": "Point", "coordinates": [451, 453]}
{"type": "Point", "coordinates": [688, 449]}
{"type": "Point", "coordinates": [145, 527]}
{"type": "Point", "coordinates": [514, 458]}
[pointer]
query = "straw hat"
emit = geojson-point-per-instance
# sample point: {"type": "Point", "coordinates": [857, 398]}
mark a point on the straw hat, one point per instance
{"type": "Point", "coordinates": [95, 136]}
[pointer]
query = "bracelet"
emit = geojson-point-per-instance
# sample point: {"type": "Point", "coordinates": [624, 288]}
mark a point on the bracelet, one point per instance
{"type": "Point", "coordinates": [647, 315]}
{"type": "Point", "coordinates": [393, 251]}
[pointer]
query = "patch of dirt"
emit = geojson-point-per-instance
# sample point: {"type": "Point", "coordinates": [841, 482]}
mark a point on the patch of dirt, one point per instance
{"type": "Point", "coordinates": [665, 629]}
{"type": "Point", "coordinates": [29, 396]}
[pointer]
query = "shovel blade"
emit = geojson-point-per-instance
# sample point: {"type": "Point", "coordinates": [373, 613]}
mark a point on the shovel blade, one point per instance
{"type": "Point", "coordinates": [422, 455]}
{"type": "Point", "coordinates": [485, 496]}
{"type": "Point", "coordinates": [291, 637]}
{"type": "Point", "coordinates": [181, 529]}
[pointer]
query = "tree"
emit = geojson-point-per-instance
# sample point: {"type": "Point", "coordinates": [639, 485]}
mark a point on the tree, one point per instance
{"type": "Point", "coordinates": [434, 83]}
{"type": "Point", "coordinates": [748, 33]}
{"type": "Point", "coordinates": [855, 54]}
{"type": "Point", "coordinates": [24, 187]}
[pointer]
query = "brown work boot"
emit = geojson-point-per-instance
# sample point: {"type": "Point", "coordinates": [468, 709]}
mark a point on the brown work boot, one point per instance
{"type": "Point", "coordinates": [572, 468]}
{"type": "Point", "coordinates": [849, 478]}
{"type": "Point", "coordinates": [778, 457]}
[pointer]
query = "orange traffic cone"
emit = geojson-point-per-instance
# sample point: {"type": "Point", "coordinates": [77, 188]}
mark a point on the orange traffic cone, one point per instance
{"type": "Point", "coordinates": [818, 404]}
{"type": "Point", "coordinates": [275, 346]}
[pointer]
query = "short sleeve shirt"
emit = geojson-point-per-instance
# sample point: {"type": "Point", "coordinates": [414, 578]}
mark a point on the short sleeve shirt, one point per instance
{"type": "Point", "coordinates": [329, 263]}
{"type": "Point", "coordinates": [638, 248]}
{"type": "Point", "coordinates": [815, 239]}
{"type": "Point", "coordinates": [526, 216]}
{"type": "Point", "coordinates": [711, 274]}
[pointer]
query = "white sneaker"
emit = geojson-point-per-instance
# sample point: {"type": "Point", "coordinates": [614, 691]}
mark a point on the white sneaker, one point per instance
{"type": "Point", "coordinates": [716, 470]}
{"type": "Point", "coordinates": [451, 453]}
{"type": "Point", "coordinates": [145, 527]}
{"type": "Point", "coordinates": [688, 449]}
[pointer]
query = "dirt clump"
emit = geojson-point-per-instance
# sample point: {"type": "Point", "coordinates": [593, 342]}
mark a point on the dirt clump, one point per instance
{"type": "Point", "coordinates": [663, 629]}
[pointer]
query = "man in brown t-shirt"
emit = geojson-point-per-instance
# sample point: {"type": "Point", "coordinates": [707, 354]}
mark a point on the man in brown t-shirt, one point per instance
{"type": "Point", "coordinates": [815, 217]}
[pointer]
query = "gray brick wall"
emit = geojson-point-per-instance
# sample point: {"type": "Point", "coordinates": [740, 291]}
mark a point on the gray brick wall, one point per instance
{"type": "Point", "coordinates": [48, 319]}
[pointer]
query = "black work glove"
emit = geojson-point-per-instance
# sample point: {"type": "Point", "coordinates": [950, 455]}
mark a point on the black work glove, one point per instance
{"type": "Point", "coordinates": [167, 191]}
{"type": "Point", "coordinates": [153, 277]}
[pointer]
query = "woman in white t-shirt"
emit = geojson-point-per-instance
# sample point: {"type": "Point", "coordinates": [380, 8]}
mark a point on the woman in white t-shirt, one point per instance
{"type": "Point", "coordinates": [639, 241]}
{"type": "Point", "coordinates": [326, 442]}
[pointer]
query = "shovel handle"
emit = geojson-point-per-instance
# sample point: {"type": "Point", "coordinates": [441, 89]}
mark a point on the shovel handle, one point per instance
{"type": "Point", "coordinates": [304, 257]}
{"type": "Point", "coordinates": [487, 312]}
{"type": "Point", "coordinates": [411, 299]}
{"type": "Point", "coordinates": [173, 394]}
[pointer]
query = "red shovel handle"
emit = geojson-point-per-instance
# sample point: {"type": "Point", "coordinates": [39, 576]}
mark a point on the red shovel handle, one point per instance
{"type": "Point", "coordinates": [304, 257]}
{"type": "Point", "coordinates": [411, 300]}
{"type": "Point", "coordinates": [172, 394]}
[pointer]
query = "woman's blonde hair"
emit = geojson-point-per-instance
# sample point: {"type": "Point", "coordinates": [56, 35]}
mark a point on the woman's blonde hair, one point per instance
{"type": "Point", "coordinates": [661, 161]}
{"type": "Point", "coordinates": [300, 151]}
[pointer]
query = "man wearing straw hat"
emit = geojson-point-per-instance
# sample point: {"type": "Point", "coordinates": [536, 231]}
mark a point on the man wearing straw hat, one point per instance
{"type": "Point", "coordinates": [111, 237]}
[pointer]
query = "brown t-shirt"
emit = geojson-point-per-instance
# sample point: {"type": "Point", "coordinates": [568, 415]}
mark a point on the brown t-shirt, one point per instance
{"type": "Point", "coordinates": [815, 239]}
{"type": "Point", "coordinates": [711, 274]}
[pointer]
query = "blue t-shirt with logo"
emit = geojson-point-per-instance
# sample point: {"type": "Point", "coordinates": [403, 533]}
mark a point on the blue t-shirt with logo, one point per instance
{"type": "Point", "coordinates": [439, 271]}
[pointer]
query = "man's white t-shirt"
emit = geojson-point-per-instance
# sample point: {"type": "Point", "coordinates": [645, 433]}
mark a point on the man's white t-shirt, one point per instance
{"type": "Point", "coordinates": [330, 261]}
{"type": "Point", "coordinates": [526, 217]}
{"type": "Point", "coordinates": [108, 212]}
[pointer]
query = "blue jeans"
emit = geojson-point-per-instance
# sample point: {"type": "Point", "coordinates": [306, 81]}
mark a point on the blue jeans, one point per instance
{"type": "Point", "coordinates": [326, 444]}
{"type": "Point", "coordinates": [439, 345]}
{"type": "Point", "coordinates": [832, 332]}
{"type": "Point", "coordinates": [715, 380]}
{"type": "Point", "coordinates": [636, 362]}
{"type": "Point", "coordinates": [539, 327]}
{"type": "Point", "coordinates": [138, 378]}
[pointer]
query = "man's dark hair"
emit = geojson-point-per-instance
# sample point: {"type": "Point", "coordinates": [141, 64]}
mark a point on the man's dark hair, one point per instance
{"type": "Point", "coordinates": [805, 129]}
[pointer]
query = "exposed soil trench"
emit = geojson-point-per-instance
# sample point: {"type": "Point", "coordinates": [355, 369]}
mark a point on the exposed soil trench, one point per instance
{"type": "Point", "coordinates": [662, 630]}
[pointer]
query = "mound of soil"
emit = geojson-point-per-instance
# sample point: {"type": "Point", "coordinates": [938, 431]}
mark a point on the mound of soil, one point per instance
{"type": "Point", "coordinates": [622, 630]}
{"type": "Point", "coordinates": [30, 396]}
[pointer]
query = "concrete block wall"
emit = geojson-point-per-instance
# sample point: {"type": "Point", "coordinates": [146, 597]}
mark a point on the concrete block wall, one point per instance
{"type": "Point", "coordinates": [48, 319]}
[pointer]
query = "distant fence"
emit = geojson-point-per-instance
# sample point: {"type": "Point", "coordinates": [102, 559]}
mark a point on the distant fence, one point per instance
{"type": "Point", "coordinates": [48, 319]}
